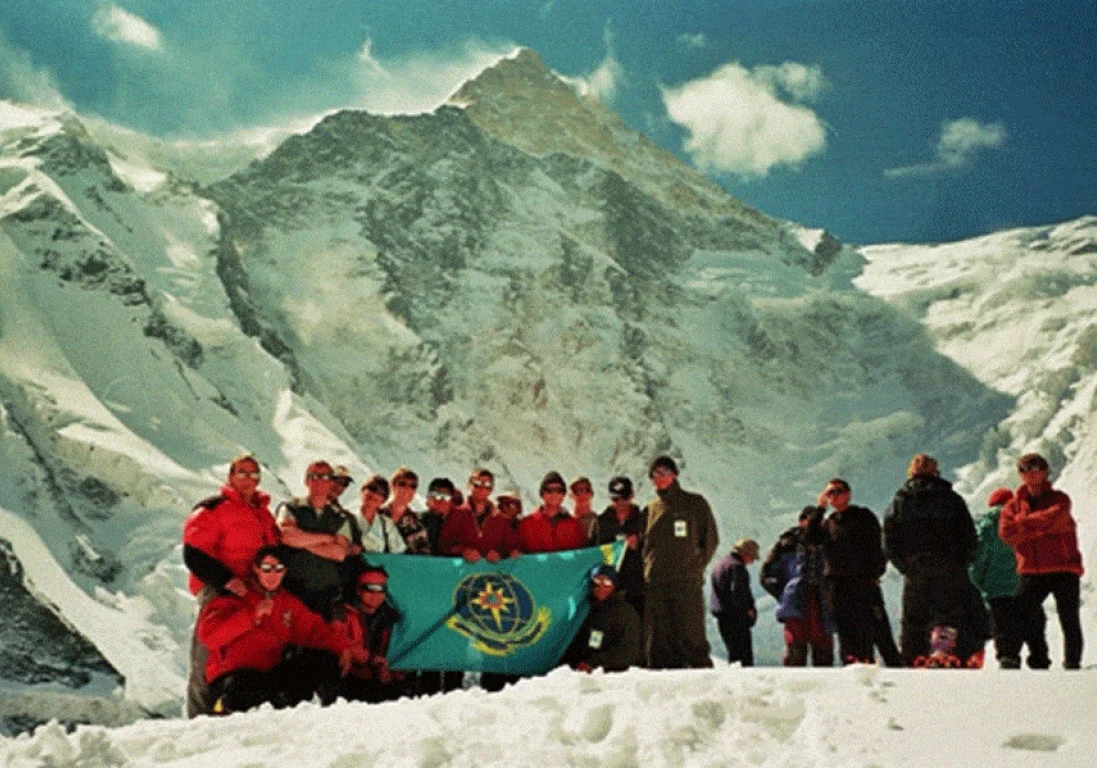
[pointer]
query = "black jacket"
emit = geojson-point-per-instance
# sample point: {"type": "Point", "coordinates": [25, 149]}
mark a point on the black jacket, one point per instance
{"type": "Point", "coordinates": [851, 545]}
{"type": "Point", "coordinates": [927, 517]}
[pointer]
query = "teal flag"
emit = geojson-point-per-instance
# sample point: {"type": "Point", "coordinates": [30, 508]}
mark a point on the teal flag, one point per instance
{"type": "Point", "coordinates": [514, 617]}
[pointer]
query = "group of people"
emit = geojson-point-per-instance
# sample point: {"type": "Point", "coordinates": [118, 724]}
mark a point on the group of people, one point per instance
{"type": "Point", "coordinates": [289, 608]}
{"type": "Point", "coordinates": [825, 572]}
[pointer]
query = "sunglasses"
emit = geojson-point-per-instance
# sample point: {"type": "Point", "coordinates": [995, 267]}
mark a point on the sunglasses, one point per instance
{"type": "Point", "coordinates": [372, 588]}
{"type": "Point", "coordinates": [602, 581]}
{"type": "Point", "coordinates": [271, 567]}
{"type": "Point", "coordinates": [1033, 467]}
{"type": "Point", "coordinates": [244, 473]}
{"type": "Point", "coordinates": [482, 484]}
{"type": "Point", "coordinates": [441, 496]}
{"type": "Point", "coordinates": [319, 476]}
{"type": "Point", "coordinates": [662, 472]}
{"type": "Point", "coordinates": [837, 491]}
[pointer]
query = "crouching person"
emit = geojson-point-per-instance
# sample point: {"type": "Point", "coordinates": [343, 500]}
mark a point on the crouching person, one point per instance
{"type": "Point", "coordinates": [610, 639]}
{"type": "Point", "coordinates": [369, 626]}
{"type": "Point", "coordinates": [248, 637]}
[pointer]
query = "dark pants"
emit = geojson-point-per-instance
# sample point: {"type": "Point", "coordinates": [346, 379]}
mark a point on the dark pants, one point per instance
{"type": "Point", "coordinates": [882, 637]}
{"type": "Point", "coordinates": [297, 678]}
{"type": "Point", "coordinates": [1012, 630]}
{"type": "Point", "coordinates": [1032, 590]}
{"type": "Point", "coordinates": [494, 682]}
{"type": "Point", "coordinates": [735, 630]}
{"type": "Point", "coordinates": [674, 625]}
{"type": "Point", "coordinates": [938, 592]}
{"type": "Point", "coordinates": [852, 604]}
{"type": "Point", "coordinates": [431, 682]}
{"type": "Point", "coordinates": [370, 691]}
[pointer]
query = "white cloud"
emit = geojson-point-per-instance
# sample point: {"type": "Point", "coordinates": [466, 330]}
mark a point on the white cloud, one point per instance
{"type": "Point", "coordinates": [604, 81]}
{"type": "Point", "coordinates": [21, 81]}
{"type": "Point", "coordinates": [958, 143]}
{"type": "Point", "coordinates": [119, 26]}
{"type": "Point", "coordinates": [422, 82]}
{"type": "Point", "coordinates": [749, 121]}
{"type": "Point", "coordinates": [693, 41]}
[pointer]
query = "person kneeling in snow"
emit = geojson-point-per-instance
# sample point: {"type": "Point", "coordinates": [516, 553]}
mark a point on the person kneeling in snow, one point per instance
{"type": "Point", "coordinates": [368, 629]}
{"type": "Point", "coordinates": [247, 637]}
{"type": "Point", "coordinates": [610, 639]}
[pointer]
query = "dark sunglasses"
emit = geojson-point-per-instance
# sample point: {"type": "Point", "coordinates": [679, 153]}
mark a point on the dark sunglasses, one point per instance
{"type": "Point", "coordinates": [661, 472]}
{"type": "Point", "coordinates": [271, 567]}
{"type": "Point", "coordinates": [837, 491]}
{"type": "Point", "coordinates": [1031, 467]}
{"type": "Point", "coordinates": [372, 588]}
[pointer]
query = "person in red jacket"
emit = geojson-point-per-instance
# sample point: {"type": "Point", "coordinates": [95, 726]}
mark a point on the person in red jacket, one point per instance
{"type": "Point", "coordinates": [369, 626]}
{"type": "Point", "coordinates": [220, 538]}
{"type": "Point", "coordinates": [550, 528]}
{"type": "Point", "coordinates": [1037, 523]}
{"type": "Point", "coordinates": [478, 529]}
{"type": "Point", "coordinates": [247, 636]}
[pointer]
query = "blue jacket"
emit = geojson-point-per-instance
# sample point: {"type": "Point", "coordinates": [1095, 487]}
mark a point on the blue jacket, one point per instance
{"type": "Point", "coordinates": [789, 568]}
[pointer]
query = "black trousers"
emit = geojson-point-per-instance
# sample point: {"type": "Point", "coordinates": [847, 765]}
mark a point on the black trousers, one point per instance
{"type": "Point", "coordinates": [295, 679]}
{"type": "Point", "coordinates": [674, 625]}
{"type": "Point", "coordinates": [1012, 630]}
{"type": "Point", "coordinates": [737, 638]}
{"type": "Point", "coordinates": [1032, 590]}
{"type": "Point", "coordinates": [853, 605]}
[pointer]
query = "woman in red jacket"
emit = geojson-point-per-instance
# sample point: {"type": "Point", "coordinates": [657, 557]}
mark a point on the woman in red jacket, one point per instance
{"type": "Point", "coordinates": [247, 637]}
{"type": "Point", "coordinates": [1037, 523]}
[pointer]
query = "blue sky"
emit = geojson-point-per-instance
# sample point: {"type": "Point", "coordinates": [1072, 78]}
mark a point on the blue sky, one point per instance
{"type": "Point", "coordinates": [880, 120]}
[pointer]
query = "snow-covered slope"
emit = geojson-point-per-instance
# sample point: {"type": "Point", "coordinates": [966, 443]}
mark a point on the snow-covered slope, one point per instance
{"type": "Point", "coordinates": [442, 290]}
{"type": "Point", "coordinates": [1018, 310]}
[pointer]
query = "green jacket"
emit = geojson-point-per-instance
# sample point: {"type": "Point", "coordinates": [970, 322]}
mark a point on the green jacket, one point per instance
{"type": "Point", "coordinates": [611, 637]}
{"type": "Point", "coordinates": [680, 537]}
{"type": "Point", "coordinates": [994, 570]}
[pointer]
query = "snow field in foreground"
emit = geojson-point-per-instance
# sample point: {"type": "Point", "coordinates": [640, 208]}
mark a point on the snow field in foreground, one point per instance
{"type": "Point", "coordinates": [856, 716]}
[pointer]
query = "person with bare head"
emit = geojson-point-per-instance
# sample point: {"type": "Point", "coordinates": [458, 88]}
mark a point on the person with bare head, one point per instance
{"type": "Point", "coordinates": [220, 538]}
{"type": "Point", "coordinates": [440, 502]}
{"type": "Point", "coordinates": [1038, 524]}
{"type": "Point", "coordinates": [930, 538]}
{"type": "Point", "coordinates": [378, 531]}
{"type": "Point", "coordinates": [854, 561]}
{"type": "Point", "coordinates": [581, 491]}
{"type": "Point", "coordinates": [404, 485]}
{"type": "Point", "coordinates": [477, 529]}
{"type": "Point", "coordinates": [323, 541]}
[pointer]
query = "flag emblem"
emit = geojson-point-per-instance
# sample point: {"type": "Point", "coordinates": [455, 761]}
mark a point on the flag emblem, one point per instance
{"type": "Point", "coordinates": [497, 612]}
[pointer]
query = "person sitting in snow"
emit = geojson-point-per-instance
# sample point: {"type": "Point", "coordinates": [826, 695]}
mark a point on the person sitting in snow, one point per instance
{"type": "Point", "coordinates": [610, 639]}
{"type": "Point", "coordinates": [368, 627]}
{"type": "Point", "coordinates": [248, 635]}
